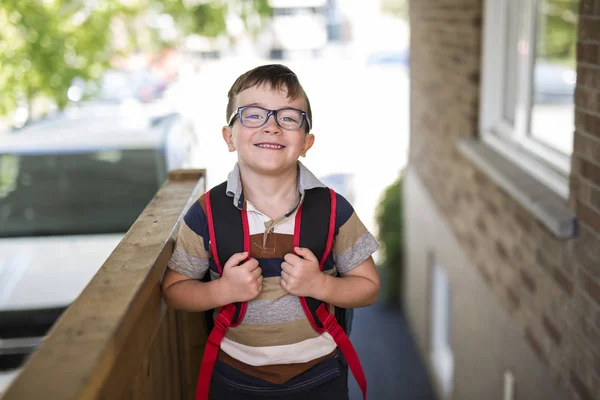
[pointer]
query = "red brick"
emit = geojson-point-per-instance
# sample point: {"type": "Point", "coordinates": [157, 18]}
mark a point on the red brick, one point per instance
{"type": "Point", "coordinates": [591, 287]}
{"type": "Point", "coordinates": [587, 241]}
{"type": "Point", "coordinates": [581, 389]}
{"type": "Point", "coordinates": [587, 262]}
{"type": "Point", "coordinates": [586, 76]}
{"type": "Point", "coordinates": [545, 260]}
{"type": "Point", "coordinates": [586, 7]}
{"type": "Point", "coordinates": [595, 197]}
{"type": "Point", "coordinates": [588, 53]}
{"type": "Point", "coordinates": [485, 273]}
{"type": "Point", "coordinates": [514, 299]}
{"type": "Point", "coordinates": [528, 281]}
{"type": "Point", "coordinates": [582, 97]}
{"type": "Point", "coordinates": [502, 252]}
{"type": "Point", "coordinates": [586, 146]}
{"type": "Point", "coordinates": [523, 217]}
{"type": "Point", "coordinates": [481, 225]}
{"type": "Point", "coordinates": [535, 345]}
{"type": "Point", "coordinates": [563, 282]}
{"type": "Point", "coordinates": [591, 124]}
{"type": "Point", "coordinates": [552, 330]}
{"type": "Point", "coordinates": [590, 171]}
{"type": "Point", "coordinates": [588, 215]}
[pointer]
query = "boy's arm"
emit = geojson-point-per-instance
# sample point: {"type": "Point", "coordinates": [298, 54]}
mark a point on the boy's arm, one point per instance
{"type": "Point", "coordinates": [301, 276]}
{"type": "Point", "coordinates": [358, 284]}
{"type": "Point", "coordinates": [183, 293]}
{"type": "Point", "coordinates": [238, 283]}
{"type": "Point", "coordinates": [353, 289]}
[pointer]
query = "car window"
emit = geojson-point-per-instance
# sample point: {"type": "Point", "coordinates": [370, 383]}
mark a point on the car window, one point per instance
{"type": "Point", "coordinates": [81, 193]}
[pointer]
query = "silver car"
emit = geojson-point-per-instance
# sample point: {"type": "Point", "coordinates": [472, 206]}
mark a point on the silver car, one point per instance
{"type": "Point", "coordinates": [69, 190]}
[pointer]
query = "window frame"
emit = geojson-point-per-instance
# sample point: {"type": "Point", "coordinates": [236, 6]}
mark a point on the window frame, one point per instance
{"type": "Point", "coordinates": [513, 141]}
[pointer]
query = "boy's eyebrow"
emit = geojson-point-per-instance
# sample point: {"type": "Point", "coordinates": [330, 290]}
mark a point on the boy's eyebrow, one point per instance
{"type": "Point", "coordinates": [260, 105]}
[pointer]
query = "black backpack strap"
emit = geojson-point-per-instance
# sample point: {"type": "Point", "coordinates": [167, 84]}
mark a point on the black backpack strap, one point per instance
{"type": "Point", "coordinates": [316, 223]}
{"type": "Point", "coordinates": [229, 233]}
{"type": "Point", "coordinates": [316, 229]}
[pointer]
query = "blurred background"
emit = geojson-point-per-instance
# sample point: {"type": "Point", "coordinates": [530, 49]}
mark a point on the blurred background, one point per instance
{"type": "Point", "coordinates": [102, 98]}
{"type": "Point", "coordinates": [67, 65]}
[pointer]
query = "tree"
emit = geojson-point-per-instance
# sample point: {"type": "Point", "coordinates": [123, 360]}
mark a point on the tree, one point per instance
{"type": "Point", "coordinates": [45, 44]}
{"type": "Point", "coordinates": [399, 8]}
{"type": "Point", "coordinates": [390, 235]}
{"type": "Point", "coordinates": [557, 30]}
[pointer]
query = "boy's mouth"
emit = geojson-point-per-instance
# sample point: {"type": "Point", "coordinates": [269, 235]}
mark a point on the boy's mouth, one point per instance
{"type": "Point", "coordinates": [273, 146]}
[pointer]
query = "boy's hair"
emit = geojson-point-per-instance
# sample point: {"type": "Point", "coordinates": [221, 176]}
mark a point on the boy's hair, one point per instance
{"type": "Point", "coordinates": [277, 76]}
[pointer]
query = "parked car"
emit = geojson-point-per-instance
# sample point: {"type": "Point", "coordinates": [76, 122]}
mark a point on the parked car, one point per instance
{"type": "Point", "coordinates": [554, 83]}
{"type": "Point", "coordinates": [69, 191]}
{"type": "Point", "coordinates": [295, 29]}
{"type": "Point", "coordinates": [390, 57]}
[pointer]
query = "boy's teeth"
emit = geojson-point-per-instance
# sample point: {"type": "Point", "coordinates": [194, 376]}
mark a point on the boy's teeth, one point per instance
{"type": "Point", "coordinates": [270, 146]}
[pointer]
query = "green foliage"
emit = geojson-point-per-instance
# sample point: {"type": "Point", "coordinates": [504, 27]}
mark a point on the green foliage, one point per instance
{"type": "Point", "coordinates": [45, 44]}
{"type": "Point", "coordinates": [557, 30]}
{"type": "Point", "coordinates": [390, 235]}
{"type": "Point", "coordinates": [208, 18]}
{"type": "Point", "coordinates": [399, 8]}
{"type": "Point", "coordinates": [205, 18]}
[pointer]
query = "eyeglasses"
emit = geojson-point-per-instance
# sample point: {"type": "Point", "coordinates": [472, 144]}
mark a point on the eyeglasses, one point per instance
{"type": "Point", "coordinates": [255, 117]}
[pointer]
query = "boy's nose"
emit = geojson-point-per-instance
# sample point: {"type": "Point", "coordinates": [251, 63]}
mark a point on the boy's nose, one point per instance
{"type": "Point", "coordinates": [271, 126]}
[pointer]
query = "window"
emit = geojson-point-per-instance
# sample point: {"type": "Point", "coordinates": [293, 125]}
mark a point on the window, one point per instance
{"type": "Point", "coordinates": [441, 355]}
{"type": "Point", "coordinates": [76, 193]}
{"type": "Point", "coordinates": [528, 84]}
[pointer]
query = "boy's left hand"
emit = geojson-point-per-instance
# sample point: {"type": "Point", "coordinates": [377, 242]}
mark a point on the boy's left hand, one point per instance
{"type": "Point", "coordinates": [301, 276]}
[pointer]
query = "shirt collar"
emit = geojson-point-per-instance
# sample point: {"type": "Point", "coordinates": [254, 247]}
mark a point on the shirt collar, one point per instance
{"type": "Point", "coordinates": [306, 180]}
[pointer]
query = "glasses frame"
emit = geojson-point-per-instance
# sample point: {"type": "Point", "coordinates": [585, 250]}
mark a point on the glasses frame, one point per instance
{"type": "Point", "coordinates": [238, 113]}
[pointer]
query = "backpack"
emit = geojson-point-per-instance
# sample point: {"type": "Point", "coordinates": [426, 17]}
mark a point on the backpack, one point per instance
{"type": "Point", "coordinates": [229, 234]}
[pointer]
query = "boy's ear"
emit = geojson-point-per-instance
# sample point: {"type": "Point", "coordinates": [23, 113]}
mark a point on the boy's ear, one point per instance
{"type": "Point", "coordinates": [228, 137]}
{"type": "Point", "coordinates": [309, 140]}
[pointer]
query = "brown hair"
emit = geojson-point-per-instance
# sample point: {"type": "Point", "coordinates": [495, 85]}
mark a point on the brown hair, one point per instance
{"type": "Point", "coordinates": [277, 76]}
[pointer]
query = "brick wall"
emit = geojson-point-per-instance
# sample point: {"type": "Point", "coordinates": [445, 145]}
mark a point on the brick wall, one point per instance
{"type": "Point", "coordinates": [550, 287]}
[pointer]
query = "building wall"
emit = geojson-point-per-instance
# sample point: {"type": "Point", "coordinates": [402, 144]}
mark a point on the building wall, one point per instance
{"type": "Point", "coordinates": [547, 289]}
{"type": "Point", "coordinates": [485, 341]}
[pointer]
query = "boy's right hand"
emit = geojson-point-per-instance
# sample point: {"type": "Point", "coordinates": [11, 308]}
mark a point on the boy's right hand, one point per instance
{"type": "Point", "coordinates": [242, 282]}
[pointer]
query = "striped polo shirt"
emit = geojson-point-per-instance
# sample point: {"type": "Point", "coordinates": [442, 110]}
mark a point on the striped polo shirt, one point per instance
{"type": "Point", "coordinates": [275, 340]}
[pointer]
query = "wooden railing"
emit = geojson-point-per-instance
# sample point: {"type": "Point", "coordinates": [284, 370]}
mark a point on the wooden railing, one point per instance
{"type": "Point", "coordinates": [118, 340]}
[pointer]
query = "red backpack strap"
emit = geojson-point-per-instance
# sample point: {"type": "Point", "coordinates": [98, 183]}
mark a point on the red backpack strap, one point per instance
{"type": "Point", "coordinates": [229, 234]}
{"type": "Point", "coordinates": [343, 342]}
{"type": "Point", "coordinates": [315, 229]}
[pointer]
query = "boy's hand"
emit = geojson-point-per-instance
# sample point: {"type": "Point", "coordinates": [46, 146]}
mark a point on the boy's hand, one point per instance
{"type": "Point", "coordinates": [241, 282]}
{"type": "Point", "coordinates": [301, 276]}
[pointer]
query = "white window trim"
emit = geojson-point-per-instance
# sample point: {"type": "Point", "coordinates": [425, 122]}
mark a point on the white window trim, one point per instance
{"type": "Point", "coordinates": [545, 164]}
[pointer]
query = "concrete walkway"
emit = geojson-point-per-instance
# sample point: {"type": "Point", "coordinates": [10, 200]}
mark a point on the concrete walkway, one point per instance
{"type": "Point", "coordinates": [389, 355]}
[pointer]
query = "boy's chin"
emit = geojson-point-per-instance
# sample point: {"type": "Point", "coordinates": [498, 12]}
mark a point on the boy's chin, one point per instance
{"type": "Point", "coordinates": [271, 168]}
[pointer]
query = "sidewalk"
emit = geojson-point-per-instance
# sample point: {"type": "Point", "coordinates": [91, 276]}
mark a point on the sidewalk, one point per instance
{"type": "Point", "coordinates": [389, 356]}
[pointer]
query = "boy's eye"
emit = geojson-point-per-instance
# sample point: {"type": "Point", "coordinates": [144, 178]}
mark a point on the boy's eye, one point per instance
{"type": "Point", "coordinates": [288, 119]}
{"type": "Point", "coordinates": [254, 116]}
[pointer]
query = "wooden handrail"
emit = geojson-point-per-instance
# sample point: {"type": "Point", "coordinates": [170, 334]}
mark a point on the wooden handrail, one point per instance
{"type": "Point", "coordinates": [107, 342]}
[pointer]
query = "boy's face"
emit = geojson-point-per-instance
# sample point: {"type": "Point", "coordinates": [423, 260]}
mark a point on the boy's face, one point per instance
{"type": "Point", "coordinates": [268, 149]}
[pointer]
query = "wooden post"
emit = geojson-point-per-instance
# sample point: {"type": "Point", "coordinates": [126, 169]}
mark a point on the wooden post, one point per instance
{"type": "Point", "coordinates": [117, 339]}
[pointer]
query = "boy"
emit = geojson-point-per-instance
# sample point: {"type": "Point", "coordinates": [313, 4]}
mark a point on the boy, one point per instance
{"type": "Point", "coordinates": [274, 351]}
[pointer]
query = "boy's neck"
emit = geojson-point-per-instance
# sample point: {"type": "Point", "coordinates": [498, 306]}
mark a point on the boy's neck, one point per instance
{"type": "Point", "coordinates": [273, 195]}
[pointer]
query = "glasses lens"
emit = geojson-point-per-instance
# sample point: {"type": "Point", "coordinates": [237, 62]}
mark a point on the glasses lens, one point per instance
{"type": "Point", "coordinates": [289, 119]}
{"type": "Point", "coordinates": [253, 117]}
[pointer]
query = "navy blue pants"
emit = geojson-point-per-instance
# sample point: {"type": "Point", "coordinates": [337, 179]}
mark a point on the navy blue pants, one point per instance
{"type": "Point", "coordinates": [328, 380]}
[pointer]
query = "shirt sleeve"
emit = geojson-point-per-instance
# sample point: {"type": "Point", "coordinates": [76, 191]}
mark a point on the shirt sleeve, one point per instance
{"type": "Point", "coordinates": [353, 242]}
{"type": "Point", "coordinates": [191, 255]}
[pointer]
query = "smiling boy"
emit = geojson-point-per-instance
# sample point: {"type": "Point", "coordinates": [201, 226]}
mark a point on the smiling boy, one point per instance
{"type": "Point", "coordinates": [274, 351]}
